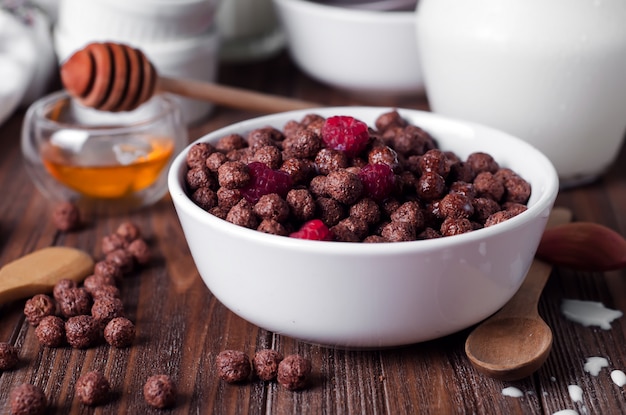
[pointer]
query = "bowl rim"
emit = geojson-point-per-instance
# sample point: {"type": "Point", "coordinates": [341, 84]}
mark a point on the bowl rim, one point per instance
{"type": "Point", "coordinates": [540, 207]}
{"type": "Point", "coordinates": [339, 13]}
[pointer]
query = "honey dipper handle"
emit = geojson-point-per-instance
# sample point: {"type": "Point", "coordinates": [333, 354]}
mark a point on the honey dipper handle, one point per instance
{"type": "Point", "coordinates": [231, 97]}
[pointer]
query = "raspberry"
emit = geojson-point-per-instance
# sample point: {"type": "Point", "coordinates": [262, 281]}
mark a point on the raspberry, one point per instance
{"type": "Point", "coordinates": [346, 134]}
{"type": "Point", "coordinates": [313, 230]}
{"type": "Point", "coordinates": [263, 181]}
{"type": "Point", "coordinates": [378, 180]}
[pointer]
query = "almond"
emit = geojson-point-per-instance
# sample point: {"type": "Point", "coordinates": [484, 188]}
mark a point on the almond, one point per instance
{"type": "Point", "coordinates": [583, 246]}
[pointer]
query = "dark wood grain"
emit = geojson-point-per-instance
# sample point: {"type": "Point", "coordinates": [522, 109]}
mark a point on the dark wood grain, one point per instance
{"type": "Point", "coordinates": [181, 327]}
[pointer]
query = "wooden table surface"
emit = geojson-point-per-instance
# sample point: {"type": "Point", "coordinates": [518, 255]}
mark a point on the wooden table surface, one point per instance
{"type": "Point", "coordinates": [181, 327]}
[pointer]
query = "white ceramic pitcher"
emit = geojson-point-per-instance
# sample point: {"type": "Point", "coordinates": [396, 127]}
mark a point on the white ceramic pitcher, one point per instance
{"type": "Point", "coordinates": [552, 72]}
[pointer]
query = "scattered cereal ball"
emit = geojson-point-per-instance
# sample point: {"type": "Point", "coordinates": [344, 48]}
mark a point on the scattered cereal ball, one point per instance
{"type": "Point", "coordinates": [159, 391]}
{"type": "Point", "coordinates": [74, 302]}
{"type": "Point", "coordinates": [233, 366]}
{"type": "Point", "coordinates": [8, 356]}
{"type": "Point", "coordinates": [265, 363]}
{"type": "Point", "coordinates": [123, 259]}
{"type": "Point", "coordinates": [81, 331]}
{"type": "Point", "coordinates": [140, 251]}
{"type": "Point", "coordinates": [112, 242]}
{"type": "Point", "coordinates": [119, 332]}
{"type": "Point", "coordinates": [105, 291]}
{"type": "Point", "coordinates": [94, 282]}
{"type": "Point", "coordinates": [66, 216]}
{"type": "Point", "coordinates": [129, 231]}
{"type": "Point", "coordinates": [38, 307]}
{"type": "Point", "coordinates": [92, 388]}
{"type": "Point", "coordinates": [108, 269]}
{"type": "Point", "coordinates": [58, 291]}
{"type": "Point", "coordinates": [51, 331]}
{"type": "Point", "coordinates": [294, 371]}
{"type": "Point", "coordinates": [27, 399]}
{"type": "Point", "coordinates": [106, 308]}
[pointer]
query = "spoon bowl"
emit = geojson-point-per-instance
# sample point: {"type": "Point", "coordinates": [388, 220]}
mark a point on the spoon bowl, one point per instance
{"type": "Point", "coordinates": [510, 355]}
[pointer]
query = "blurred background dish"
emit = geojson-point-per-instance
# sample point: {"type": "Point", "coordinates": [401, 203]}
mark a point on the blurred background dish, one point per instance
{"type": "Point", "coordinates": [380, 5]}
{"type": "Point", "coordinates": [363, 51]}
{"type": "Point", "coordinates": [249, 30]}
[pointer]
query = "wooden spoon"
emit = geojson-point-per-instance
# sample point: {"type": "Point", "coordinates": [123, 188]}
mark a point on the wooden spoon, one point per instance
{"type": "Point", "coordinates": [117, 77]}
{"type": "Point", "coordinates": [513, 343]}
{"type": "Point", "coordinates": [39, 271]}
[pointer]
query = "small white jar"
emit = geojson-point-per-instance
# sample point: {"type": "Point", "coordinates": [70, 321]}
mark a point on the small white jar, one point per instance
{"type": "Point", "coordinates": [552, 72]}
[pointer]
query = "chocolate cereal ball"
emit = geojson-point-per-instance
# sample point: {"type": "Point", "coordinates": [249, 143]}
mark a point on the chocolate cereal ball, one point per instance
{"type": "Point", "coordinates": [108, 269]}
{"type": "Point", "coordinates": [8, 356]}
{"type": "Point", "coordinates": [74, 302]}
{"type": "Point", "coordinates": [106, 308]}
{"type": "Point", "coordinates": [66, 216]}
{"type": "Point", "coordinates": [266, 363]}
{"type": "Point", "coordinates": [159, 391]}
{"type": "Point", "coordinates": [27, 399]}
{"type": "Point", "coordinates": [94, 282]}
{"type": "Point", "coordinates": [294, 371]}
{"type": "Point", "coordinates": [233, 366]}
{"type": "Point", "coordinates": [51, 331]}
{"type": "Point", "coordinates": [38, 307]}
{"type": "Point", "coordinates": [119, 332]}
{"type": "Point", "coordinates": [82, 331]}
{"type": "Point", "coordinates": [123, 259]}
{"type": "Point", "coordinates": [140, 251]}
{"type": "Point", "coordinates": [92, 388]}
{"type": "Point", "coordinates": [129, 231]}
{"type": "Point", "coordinates": [59, 289]}
{"type": "Point", "coordinates": [112, 242]}
{"type": "Point", "coordinates": [105, 291]}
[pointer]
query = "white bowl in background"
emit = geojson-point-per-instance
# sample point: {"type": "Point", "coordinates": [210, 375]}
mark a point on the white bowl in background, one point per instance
{"type": "Point", "coordinates": [193, 58]}
{"type": "Point", "coordinates": [371, 295]}
{"type": "Point", "coordinates": [365, 51]}
{"type": "Point", "coordinates": [137, 20]}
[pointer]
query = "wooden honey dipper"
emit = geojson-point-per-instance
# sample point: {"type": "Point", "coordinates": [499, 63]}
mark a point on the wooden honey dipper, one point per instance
{"type": "Point", "coordinates": [116, 77]}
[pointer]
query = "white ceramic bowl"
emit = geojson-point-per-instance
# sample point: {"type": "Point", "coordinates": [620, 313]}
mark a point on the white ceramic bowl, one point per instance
{"type": "Point", "coordinates": [371, 295]}
{"type": "Point", "coordinates": [365, 51]}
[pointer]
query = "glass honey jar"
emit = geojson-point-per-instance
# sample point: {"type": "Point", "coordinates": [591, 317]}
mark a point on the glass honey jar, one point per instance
{"type": "Point", "coordinates": [102, 160]}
